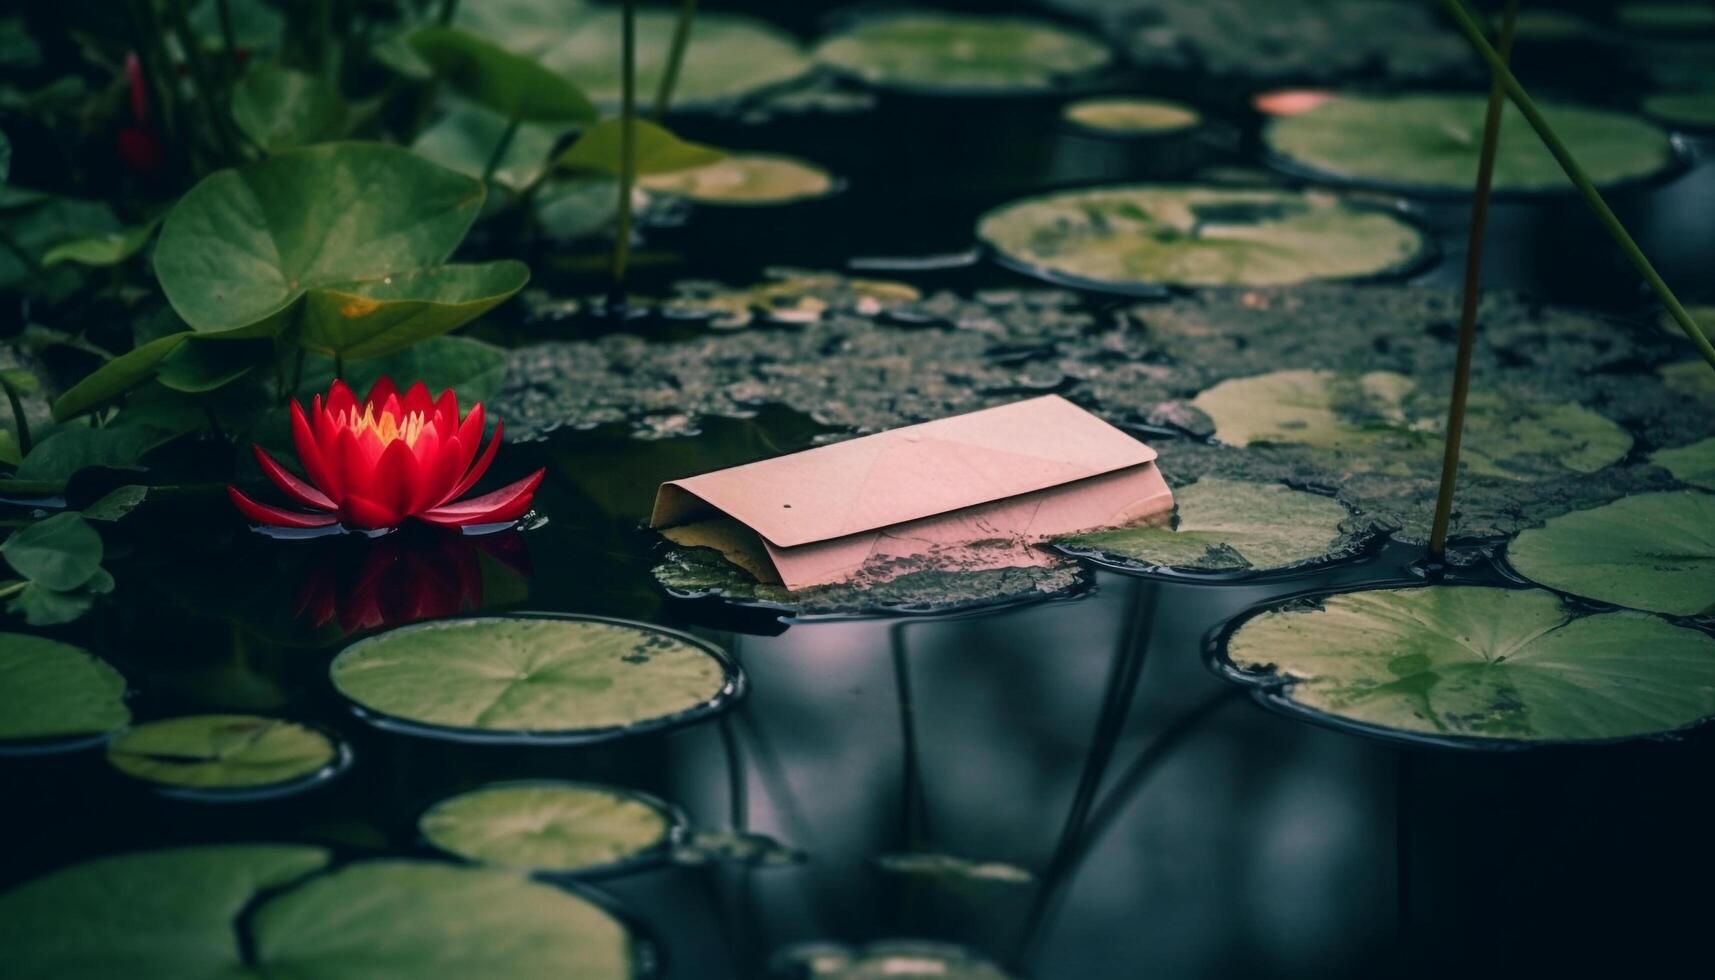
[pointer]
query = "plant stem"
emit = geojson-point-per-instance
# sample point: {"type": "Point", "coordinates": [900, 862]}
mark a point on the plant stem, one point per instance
{"type": "Point", "coordinates": [1468, 25]}
{"type": "Point", "coordinates": [675, 57]}
{"type": "Point", "coordinates": [500, 148]}
{"type": "Point", "coordinates": [1472, 294]}
{"type": "Point", "coordinates": [339, 366]}
{"type": "Point", "coordinates": [13, 588]}
{"type": "Point", "coordinates": [19, 419]}
{"type": "Point", "coordinates": [627, 148]}
{"type": "Point", "coordinates": [213, 107]}
{"type": "Point", "coordinates": [229, 36]}
{"type": "Point", "coordinates": [448, 9]}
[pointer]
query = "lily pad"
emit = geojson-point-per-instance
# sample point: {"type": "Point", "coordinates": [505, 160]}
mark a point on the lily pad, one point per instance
{"type": "Point", "coordinates": [1468, 665]}
{"type": "Point", "coordinates": [885, 959]}
{"type": "Point", "coordinates": [279, 108]}
{"type": "Point", "coordinates": [746, 179]}
{"type": "Point", "coordinates": [1379, 422]}
{"type": "Point", "coordinates": [789, 296]}
{"type": "Point", "coordinates": [1691, 378]}
{"type": "Point", "coordinates": [222, 752]}
{"type": "Point", "coordinates": [729, 57]}
{"type": "Point", "coordinates": [1691, 109]}
{"type": "Point", "coordinates": [466, 136]}
{"type": "Point", "coordinates": [1431, 143]}
{"type": "Point", "coordinates": [949, 867]}
{"type": "Point", "coordinates": [1693, 464]}
{"type": "Point", "coordinates": [1130, 116]}
{"type": "Point", "coordinates": [1653, 551]}
{"type": "Point", "coordinates": [1142, 238]}
{"type": "Point", "coordinates": [1229, 525]}
{"type": "Point", "coordinates": [551, 826]}
{"type": "Point", "coordinates": [516, 86]}
{"type": "Point", "coordinates": [243, 247]}
{"type": "Point", "coordinates": [53, 690]}
{"type": "Point", "coordinates": [961, 53]}
{"type": "Point", "coordinates": [262, 910]}
{"type": "Point", "coordinates": [379, 316]}
{"type": "Point", "coordinates": [1670, 17]}
{"type": "Point", "coordinates": [735, 847]}
{"type": "Point", "coordinates": [655, 150]}
{"type": "Point", "coordinates": [61, 552]}
{"type": "Point", "coordinates": [534, 678]}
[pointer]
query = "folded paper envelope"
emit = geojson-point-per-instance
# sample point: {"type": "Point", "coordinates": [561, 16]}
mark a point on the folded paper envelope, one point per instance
{"type": "Point", "coordinates": [1003, 477]}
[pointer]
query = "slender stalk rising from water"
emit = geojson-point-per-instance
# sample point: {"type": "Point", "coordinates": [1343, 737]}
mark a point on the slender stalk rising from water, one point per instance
{"type": "Point", "coordinates": [627, 149]}
{"type": "Point", "coordinates": [675, 57]}
{"type": "Point", "coordinates": [1473, 292]}
{"type": "Point", "coordinates": [1474, 33]}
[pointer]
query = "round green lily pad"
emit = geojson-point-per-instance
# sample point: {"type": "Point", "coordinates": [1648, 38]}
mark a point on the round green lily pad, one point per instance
{"type": "Point", "coordinates": [1468, 665]}
{"type": "Point", "coordinates": [1142, 238]}
{"type": "Point", "coordinates": [186, 914]}
{"type": "Point", "coordinates": [1431, 143]}
{"type": "Point", "coordinates": [554, 679]}
{"type": "Point", "coordinates": [1229, 525]}
{"type": "Point", "coordinates": [1653, 551]}
{"type": "Point", "coordinates": [1693, 464]}
{"type": "Point", "coordinates": [53, 690]}
{"type": "Point", "coordinates": [222, 752]}
{"type": "Point", "coordinates": [746, 179]}
{"type": "Point", "coordinates": [1129, 116]}
{"type": "Point", "coordinates": [729, 57]}
{"type": "Point", "coordinates": [1691, 109]}
{"type": "Point", "coordinates": [1381, 422]}
{"type": "Point", "coordinates": [948, 53]}
{"type": "Point", "coordinates": [551, 826]}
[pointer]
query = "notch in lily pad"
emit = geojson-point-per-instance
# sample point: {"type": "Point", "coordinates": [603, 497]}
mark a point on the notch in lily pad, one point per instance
{"type": "Point", "coordinates": [1466, 666]}
{"type": "Point", "coordinates": [347, 243]}
{"type": "Point", "coordinates": [535, 679]}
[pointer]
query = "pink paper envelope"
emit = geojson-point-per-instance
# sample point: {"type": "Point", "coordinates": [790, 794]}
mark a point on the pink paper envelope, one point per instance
{"type": "Point", "coordinates": [1005, 477]}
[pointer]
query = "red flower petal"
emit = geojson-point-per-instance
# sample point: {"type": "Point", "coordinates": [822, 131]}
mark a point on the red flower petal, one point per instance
{"type": "Point", "coordinates": [393, 485]}
{"type": "Point", "coordinates": [364, 514]}
{"type": "Point", "coordinates": [506, 504]}
{"type": "Point", "coordinates": [417, 399]}
{"type": "Point", "coordinates": [447, 412]}
{"type": "Point", "coordinates": [274, 516]}
{"type": "Point", "coordinates": [352, 467]}
{"type": "Point", "coordinates": [480, 467]}
{"type": "Point", "coordinates": [310, 454]}
{"type": "Point", "coordinates": [293, 487]}
{"type": "Point", "coordinates": [340, 399]}
{"type": "Point", "coordinates": [470, 436]}
{"type": "Point", "coordinates": [380, 391]}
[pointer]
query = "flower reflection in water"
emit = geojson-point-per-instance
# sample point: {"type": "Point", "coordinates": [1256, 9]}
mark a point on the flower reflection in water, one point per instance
{"type": "Point", "coordinates": [405, 577]}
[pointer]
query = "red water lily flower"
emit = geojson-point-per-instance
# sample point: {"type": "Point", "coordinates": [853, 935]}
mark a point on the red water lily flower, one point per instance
{"type": "Point", "coordinates": [373, 464]}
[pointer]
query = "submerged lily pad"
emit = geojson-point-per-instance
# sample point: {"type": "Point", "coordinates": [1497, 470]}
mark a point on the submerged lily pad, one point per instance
{"type": "Point", "coordinates": [1653, 551]}
{"type": "Point", "coordinates": [1469, 664]}
{"type": "Point", "coordinates": [550, 826]}
{"type": "Point", "coordinates": [1693, 464]}
{"type": "Point", "coordinates": [1131, 116]}
{"type": "Point", "coordinates": [899, 585]}
{"type": "Point", "coordinates": [729, 56]}
{"type": "Point", "coordinates": [53, 690]}
{"type": "Point", "coordinates": [1691, 109]}
{"type": "Point", "coordinates": [1142, 237]}
{"type": "Point", "coordinates": [1431, 142]}
{"type": "Point", "coordinates": [221, 752]}
{"type": "Point", "coordinates": [1379, 422]}
{"type": "Point", "coordinates": [534, 678]}
{"type": "Point", "coordinates": [1229, 525]}
{"type": "Point", "coordinates": [746, 179]}
{"type": "Point", "coordinates": [243, 247]}
{"type": "Point", "coordinates": [961, 53]}
{"type": "Point", "coordinates": [186, 914]}
{"type": "Point", "coordinates": [953, 868]}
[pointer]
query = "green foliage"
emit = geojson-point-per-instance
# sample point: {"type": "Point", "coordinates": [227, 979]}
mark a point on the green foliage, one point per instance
{"type": "Point", "coordinates": [55, 690]}
{"type": "Point", "coordinates": [464, 140]}
{"type": "Point", "coordinates": [515, 86]}
{"type": "Point", "coordinates": [656, 151]}
{"type": "Point", "coordinates": [59, 561]}
{"type": "Point", "coordinates": [278, 108]}
{"type": "Point", "coordinates": [107, 248]}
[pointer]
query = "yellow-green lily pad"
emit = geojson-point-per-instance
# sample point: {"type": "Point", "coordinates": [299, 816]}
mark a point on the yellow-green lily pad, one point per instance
{"type": "Point", "coordinates": [560, 827]}
{"type": "Point", "coordinates": [222, 752]}
{"type": "Point", "coordinates": [53, 690]}
{"type": "Point", "coordinates": [1653, 551]}
{"type": "Point", "coordinates": [951, 53]}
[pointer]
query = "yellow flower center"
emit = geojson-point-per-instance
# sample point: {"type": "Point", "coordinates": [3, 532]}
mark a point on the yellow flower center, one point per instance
{"type": "Point", "coordinates": [387, 426]}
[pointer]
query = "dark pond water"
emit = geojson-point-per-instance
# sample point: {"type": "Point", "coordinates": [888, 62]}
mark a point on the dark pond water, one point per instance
{"type": "Point", "coordinates": [1171, 825]}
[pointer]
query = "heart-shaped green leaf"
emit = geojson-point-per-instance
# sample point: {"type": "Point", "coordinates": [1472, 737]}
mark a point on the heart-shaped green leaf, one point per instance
{"type": "Point", "coordinates": [281, 108]}
{"type": "Point", "coordinates": [513, 85]}
{"type": "Point", "coordinates": [76, 447]}
{"type": "Point", "coordinates": [107, 248]}
{"type": "Point", "coordinates": [374, 317]}
{"type": "Point", "coordinates": [60, 553]}
{"type": "Point", "coordinates": [464, 140]}
{"type": "Point", "coordinates": [52, 690]}
{"type": "Point", "coordinates": [240, 250]}
{"type": "Point", "coordinates": [204, 365]}
{"type": "Point", "coordinates": [656, 150]}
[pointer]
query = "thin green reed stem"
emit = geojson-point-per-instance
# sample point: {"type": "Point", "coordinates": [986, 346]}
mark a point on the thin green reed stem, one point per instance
{"type": "Point", "coordinates": [627, 147]}
{"type": "Point", "coordinates": [448, 9]}
{"type": "Point", "coordinates": [1474, 33]}
{"type": "Point", "coordinates": [675, 57]}
{"type": "Point", "coordinates": [19, 419]}
{"type": "Point", "coordinates": [500, 148]}
{"type": "Point", "coordinates": [1472, 294]}
{"type": "Point", "coordinates": [207, 94]}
